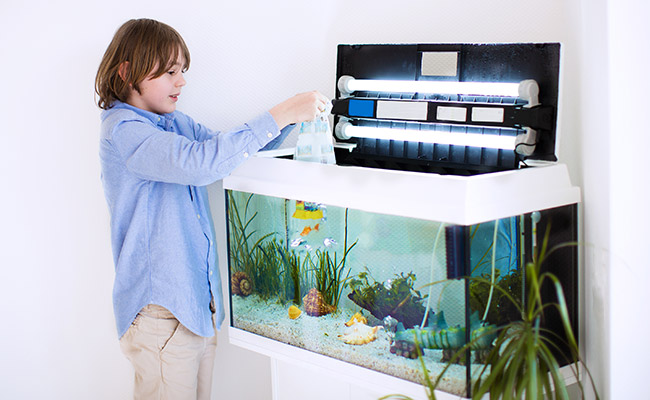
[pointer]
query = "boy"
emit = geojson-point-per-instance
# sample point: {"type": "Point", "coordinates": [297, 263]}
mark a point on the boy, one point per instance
{"type": "Point", "coordinates": [156, 162]}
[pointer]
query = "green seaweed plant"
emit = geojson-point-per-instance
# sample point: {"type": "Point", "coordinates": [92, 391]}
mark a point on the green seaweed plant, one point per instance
{"type": "Point", "coordinates": [291, 274]}
{"type": "Point", "coordinates": [502, 310]}
{"type": "Point", "coordinates": [268, 268]}
{"type": "Point", "coordinates": [327, 271]}
{"type": "Point", "coordinates": [328, 274]}
{"type": "Point", "coordinates": [256, 257]}
{"type": "Point", "coordinates": [241, 254]}
{"type": "Point", "coordinates": [522, 363]}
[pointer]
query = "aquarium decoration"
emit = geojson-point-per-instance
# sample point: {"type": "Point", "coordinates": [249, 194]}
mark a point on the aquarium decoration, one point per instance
{"type": "Point", "coordinates": [294, 312]}
{"type": "Point", "coordinates": [439, 335]}
{"type": "Point", "coordinates": [359, 333]}
{"type": "Point", "coordinates": [315, 304]}
{"type": "Point", "coordinates": [395, 297]}
{"type": "Point", "coordinates": [307, 210]}
{"type": "Point", "coordinates": [357, 317]}
{"type": "Point", "coordinates": [240, 284]}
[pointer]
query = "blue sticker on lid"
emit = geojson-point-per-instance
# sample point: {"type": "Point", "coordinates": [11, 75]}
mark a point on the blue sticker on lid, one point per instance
{"type": "Point", "coordinates": [361, 108]}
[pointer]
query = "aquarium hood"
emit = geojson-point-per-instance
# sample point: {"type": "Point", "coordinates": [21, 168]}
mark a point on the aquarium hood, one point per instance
{"type": "Point", "coordinates": [461, 200]}
{"type": "Point", "coordinates": [447, 108]}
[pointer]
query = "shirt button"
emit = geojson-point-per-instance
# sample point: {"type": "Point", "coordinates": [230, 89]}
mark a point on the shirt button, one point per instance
{"type": "Point", "coordinates": [210, 273]}
{"type": "Point", "coordinates": [245, 155]}
{"type": "Point", "coordinates": [198, 216]}
{"type": "Point", "coordinates": [269, 135]}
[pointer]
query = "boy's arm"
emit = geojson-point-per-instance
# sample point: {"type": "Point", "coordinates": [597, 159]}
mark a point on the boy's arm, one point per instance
{"type": "Point", "coordinates": [157, 155]}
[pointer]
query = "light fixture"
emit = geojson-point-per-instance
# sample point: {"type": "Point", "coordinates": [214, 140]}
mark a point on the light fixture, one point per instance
{"type": "Point", "coordinates": [345, 130]}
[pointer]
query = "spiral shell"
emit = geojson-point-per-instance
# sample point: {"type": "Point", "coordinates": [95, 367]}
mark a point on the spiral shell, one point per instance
{"type": "Point", "coordinates": [241, 284]}
{"type": "Point", "coordinates": [315, 305]}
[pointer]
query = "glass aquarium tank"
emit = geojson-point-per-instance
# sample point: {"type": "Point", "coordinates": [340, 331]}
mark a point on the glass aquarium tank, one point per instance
{"type": "Point", "coordinates": [364, 287]}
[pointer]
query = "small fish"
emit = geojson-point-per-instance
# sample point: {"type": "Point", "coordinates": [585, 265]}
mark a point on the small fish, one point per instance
{"type": "Point", "coordinates": [297, 242]}
{"type": "Point", "coordinates": [309, 229]}
{"type": "Point", "coordinates": [329, 242]}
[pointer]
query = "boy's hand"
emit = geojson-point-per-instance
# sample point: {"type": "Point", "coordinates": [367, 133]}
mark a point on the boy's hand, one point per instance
{"type": "Point", "coordinates": [299, 108]}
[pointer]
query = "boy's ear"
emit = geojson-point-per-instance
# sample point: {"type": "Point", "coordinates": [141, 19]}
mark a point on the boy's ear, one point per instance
{"type": "Point", "coordinates": [123, 70]}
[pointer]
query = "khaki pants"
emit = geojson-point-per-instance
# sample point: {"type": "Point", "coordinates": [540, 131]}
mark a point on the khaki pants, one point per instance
{"type": "Point", "coordinates": [171, 362]}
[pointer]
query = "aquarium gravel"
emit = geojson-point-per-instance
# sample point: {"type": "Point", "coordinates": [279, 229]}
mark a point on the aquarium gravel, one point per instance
{"type": "Point", "coordinates": [321, 335]}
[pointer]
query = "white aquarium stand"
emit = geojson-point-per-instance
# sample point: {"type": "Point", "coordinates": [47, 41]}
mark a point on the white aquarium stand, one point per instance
{"type": "Point", "coordinates": [445, 198]}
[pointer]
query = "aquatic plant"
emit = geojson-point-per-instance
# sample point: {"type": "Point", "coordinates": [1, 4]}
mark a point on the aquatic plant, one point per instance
{"type": "Point", "coordinates": [266, 268]}
{"type": "Point", "coordinates": [501, 310]}
{"type": "Point", "coordinates": [522, 363]}
{"type": "Point", "coordinates": [327, 271]}
{"type": "Point", "coordinates": [398, 298]}
{"type": "Point", "coordinates": [291, 274]}
{"type": "Point", "coordinates": [241, 254]}
{"type": "Point", "coordinates": [328, 274]}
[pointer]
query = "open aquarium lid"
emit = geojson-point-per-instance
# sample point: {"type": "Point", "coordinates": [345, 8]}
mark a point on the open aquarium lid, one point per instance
{"type": "Point", "coordinates": [460, 109]}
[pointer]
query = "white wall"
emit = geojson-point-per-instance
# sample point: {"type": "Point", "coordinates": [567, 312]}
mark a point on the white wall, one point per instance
{"type": "Point", "coordinates": [629, 63]}
{"type": "Point", "coordinates": [59, 340]}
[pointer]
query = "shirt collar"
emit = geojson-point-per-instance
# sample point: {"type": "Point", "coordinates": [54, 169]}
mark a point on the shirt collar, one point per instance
{"type": "Point", "coordinates": [162, 120]}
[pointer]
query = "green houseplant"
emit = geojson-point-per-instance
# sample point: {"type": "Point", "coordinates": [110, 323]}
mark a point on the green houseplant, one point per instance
{"type": "Point", "coordinates": [522, 363]}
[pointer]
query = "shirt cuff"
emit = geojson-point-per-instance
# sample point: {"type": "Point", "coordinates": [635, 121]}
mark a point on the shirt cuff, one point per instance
{"type": "Point", "coordinates": [264, 128]}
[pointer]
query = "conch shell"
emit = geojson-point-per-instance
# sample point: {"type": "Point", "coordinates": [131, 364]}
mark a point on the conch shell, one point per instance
{"type": "Point", "coordinates": [294, 312]}
{"type": "Point", "coordinates": [359, 333]}
{"type": "Point", "coordinates": [357, 317]}
{"type": "Point", "coordinates": [315, 305]}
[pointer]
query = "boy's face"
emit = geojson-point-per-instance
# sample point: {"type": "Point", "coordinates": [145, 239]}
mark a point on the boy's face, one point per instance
{"type": "Point", "coordinates": [159, 95]}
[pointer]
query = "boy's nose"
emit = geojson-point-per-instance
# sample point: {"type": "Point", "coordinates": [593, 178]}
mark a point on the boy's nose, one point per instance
{"type": "Point", "coordinates": [181, 81]}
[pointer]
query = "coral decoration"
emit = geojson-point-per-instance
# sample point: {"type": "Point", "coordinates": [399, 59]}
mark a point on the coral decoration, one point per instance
{"type": "Point", "coordinates": [359, 333]}
{"type": "Point", "coordinates": [241, 284]}
{"type": "Point", "coordinates": [315, 305]}
{"type": "Point", "coordinates": [294, 312]}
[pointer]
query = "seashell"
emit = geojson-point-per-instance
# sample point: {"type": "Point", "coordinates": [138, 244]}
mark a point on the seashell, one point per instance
{"type": "Point", "coordinates": [359, 333]}
{"type": "Point", "coordinates": [315, 305]}
{"type": "Point", "coordinates": [241, 284]}
{"type": "Point", "coordinates": [294, 312]}
{"type": "Point", "coordinates": [357, 317]}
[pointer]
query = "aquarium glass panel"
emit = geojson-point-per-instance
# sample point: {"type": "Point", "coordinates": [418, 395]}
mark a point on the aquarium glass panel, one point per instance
{"type": "Point", "coordinates": [365, 288]}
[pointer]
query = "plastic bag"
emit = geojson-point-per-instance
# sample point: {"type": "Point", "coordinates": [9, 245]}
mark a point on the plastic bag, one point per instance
{"type": "Point", "coordinates": [315, 142]}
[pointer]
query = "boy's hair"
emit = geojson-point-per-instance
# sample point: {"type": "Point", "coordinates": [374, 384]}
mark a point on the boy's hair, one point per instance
{"type": "Point", "coordinates": [145, 45]}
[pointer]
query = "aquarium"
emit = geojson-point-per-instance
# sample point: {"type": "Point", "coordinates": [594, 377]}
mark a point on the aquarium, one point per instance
{"type": "Point", "coordinates": [364, 286]}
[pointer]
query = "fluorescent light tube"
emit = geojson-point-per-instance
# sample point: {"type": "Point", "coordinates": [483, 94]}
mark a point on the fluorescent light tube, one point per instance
{"type": "Point", "coordinates": [345, 130]}
{"type": "Point", "coordinates": [348, 85]}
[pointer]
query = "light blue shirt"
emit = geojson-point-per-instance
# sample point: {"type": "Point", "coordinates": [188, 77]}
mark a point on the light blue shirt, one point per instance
{"type": "Point", "coordinates": [154, 171]}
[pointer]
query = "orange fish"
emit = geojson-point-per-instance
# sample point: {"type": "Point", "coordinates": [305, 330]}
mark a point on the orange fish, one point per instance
{"type": "Point", "coordinates": [308, 229]}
